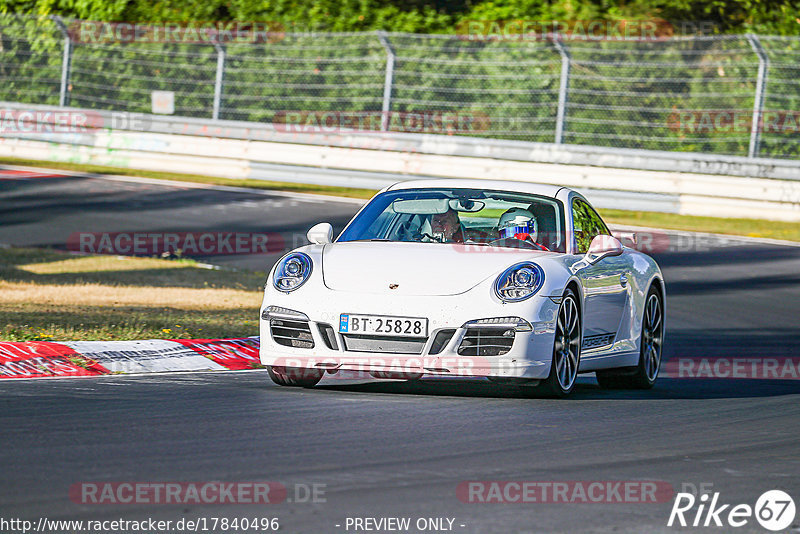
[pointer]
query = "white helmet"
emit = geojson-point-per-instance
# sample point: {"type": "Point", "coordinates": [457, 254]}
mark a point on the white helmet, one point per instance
{"type": "Point", "coordinates": [517, 221]}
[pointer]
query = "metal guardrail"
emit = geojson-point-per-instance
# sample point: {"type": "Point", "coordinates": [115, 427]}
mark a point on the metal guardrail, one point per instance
{"type": "Point", "coordinates": [500, 149]}
{"type": "Point", "coordinates": [664, 94]}
{"type": "Point", "coordinates": [236, 150]}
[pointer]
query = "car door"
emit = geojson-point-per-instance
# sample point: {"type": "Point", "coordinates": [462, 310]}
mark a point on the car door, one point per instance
{"type": "Point", "coordinates": [605, 284]}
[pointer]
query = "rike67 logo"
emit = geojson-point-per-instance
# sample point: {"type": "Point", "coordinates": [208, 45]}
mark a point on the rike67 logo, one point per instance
{"type": "Point", "coordinates": [774, 510]}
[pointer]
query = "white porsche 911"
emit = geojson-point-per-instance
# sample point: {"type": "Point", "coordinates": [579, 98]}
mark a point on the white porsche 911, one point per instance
{"type": "Point", "coordinates": [516, 282]}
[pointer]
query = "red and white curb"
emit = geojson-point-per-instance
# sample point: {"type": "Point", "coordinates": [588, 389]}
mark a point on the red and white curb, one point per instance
{"type": "Point", "coordinates": [48, 359]}
{"type": "Point", "coordinates": [24, 174]}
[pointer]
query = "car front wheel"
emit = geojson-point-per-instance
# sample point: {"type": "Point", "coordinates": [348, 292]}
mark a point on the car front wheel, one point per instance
{"type": "Point", "coordinates": [566, 349]}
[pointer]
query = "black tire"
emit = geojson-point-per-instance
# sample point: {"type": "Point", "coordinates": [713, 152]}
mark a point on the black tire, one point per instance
{"type": "Point", "coordinates": [566, 350]}
{"type": "Point", "coordinates": [295, 376]}
{"type": "Point", "coordinates": [644, 375]}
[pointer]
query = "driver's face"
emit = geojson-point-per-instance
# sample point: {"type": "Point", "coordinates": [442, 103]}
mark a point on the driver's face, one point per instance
{"type": "Point", "coordinates": [445, 223]}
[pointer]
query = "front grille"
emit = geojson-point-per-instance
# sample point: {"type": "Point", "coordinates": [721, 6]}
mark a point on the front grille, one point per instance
{"type": "Point", "coordinates": [486, 342]}
{"type": "Point", "coordinates": [291, 333]}
{"type": "Point", "coordinates": [389, 344]}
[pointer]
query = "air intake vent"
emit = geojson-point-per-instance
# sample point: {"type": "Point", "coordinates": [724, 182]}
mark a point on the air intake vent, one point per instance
{"type": "Point", "coordinates": [600, 340]}
{"type": "Point", "coordinates": [328, 336]}
{"type": "Point", "coordinates": [291, 333]}
{"type": "Point", "coordinates": [441, 340]}
{"type": "Point", "coordinates": [486, 342]}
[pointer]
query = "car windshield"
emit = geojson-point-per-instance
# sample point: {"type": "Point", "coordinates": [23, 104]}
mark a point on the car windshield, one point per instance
{"type": "Point", "coordinates": [499, 218]}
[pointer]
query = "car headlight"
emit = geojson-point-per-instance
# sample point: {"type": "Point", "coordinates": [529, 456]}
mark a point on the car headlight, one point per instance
{"type": "Point", "coordinates": [292, 272]}
{"type": "Point", "coordinates": [519, 282]}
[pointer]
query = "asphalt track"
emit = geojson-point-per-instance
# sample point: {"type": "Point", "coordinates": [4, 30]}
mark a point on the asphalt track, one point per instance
{"type": "Point", "coordinates": [397, 450]}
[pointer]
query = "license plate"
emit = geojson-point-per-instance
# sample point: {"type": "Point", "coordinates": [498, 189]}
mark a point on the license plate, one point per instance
{"type": "Point", "coordinates": [381, 325]}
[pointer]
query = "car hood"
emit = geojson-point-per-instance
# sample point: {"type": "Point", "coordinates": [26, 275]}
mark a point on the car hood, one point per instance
{"type": "Point", "coordinates": [414, 268]}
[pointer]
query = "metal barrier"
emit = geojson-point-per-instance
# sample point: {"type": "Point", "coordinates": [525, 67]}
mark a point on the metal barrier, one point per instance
{"type": "Point", "coordinates": [237, 150]}
{"type": "Point", "coordinates": [733, 95]}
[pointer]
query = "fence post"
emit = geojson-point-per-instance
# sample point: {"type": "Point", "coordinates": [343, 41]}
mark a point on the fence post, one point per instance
{"type": "Point", "coordinates": [563, 89]}
{"type": "Point", "coordinates": [388, 79]}
{"type": "Point", "coordinates": [218, 79]}
{"type": "Point", "coordinates": [758, 104]}
{"type": "Point", "coordinates": [63, 94]}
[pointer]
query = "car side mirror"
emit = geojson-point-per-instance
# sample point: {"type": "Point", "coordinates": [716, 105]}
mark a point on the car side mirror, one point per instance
{"type": "Point", "coordinates": [320, 234]}
{"type": "Point", "coordinates": [603, 246]}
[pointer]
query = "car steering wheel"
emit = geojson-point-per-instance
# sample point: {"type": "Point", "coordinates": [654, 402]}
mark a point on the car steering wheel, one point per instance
{"type": "Point", "coordinates": [420, 235]}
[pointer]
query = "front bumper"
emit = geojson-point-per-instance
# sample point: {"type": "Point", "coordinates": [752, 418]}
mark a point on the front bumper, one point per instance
{"type": "Point", "coordinates": [529, 355]}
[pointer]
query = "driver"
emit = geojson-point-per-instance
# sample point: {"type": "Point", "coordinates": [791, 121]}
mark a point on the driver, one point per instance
{"type": "Point", "coordinates": [447, 227]}
{"type": "Point", "coordinates": [519, 223]}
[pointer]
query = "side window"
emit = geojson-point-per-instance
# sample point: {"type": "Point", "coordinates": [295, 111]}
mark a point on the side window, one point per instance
{"type": "Point", "coordinates": [587, 224]}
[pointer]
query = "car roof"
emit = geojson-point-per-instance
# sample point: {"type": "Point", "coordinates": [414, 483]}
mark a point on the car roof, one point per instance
{"type": "Point", "coordinates": [545, 190]}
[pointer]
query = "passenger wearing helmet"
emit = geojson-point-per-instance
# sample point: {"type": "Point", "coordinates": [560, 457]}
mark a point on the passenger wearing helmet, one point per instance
{"type": "Point", "coordinates": [520, 224]}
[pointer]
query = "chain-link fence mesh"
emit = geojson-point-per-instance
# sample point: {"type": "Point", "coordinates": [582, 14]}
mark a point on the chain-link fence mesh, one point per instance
{"type": "Point", "coordinates": [782, 93]}
{"type": "Point", "coordinates": [648, 94]}
{"type": "Point", "coordinates": [303, 73]}
{"type": "Point", "coordinates": [31, 57]}
{"type": "Point", "coordinates": [691, 94]}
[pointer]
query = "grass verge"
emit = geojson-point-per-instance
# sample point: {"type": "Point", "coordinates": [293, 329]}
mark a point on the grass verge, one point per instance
{"type": "Point", "coordinates": [745, 227]}
{"type": "Point", "coordinates": [55, 296]}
